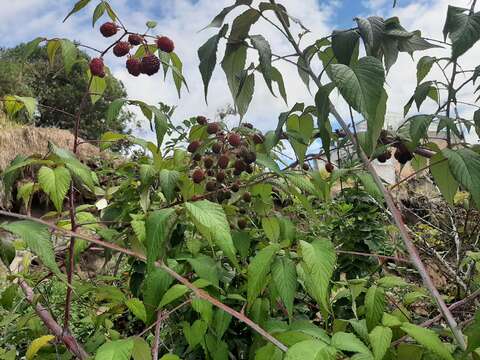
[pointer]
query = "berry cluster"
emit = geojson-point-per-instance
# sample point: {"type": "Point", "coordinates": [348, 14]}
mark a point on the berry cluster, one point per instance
{"type": "Point", "coordinates": [149, 64]}
{"type": "Point", "coordinates": [219, 161]}
{"type": "Point", "coordinates": [402, 154]}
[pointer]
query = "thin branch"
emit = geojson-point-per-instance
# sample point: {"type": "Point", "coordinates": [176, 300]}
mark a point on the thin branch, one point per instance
{"type": "Point", "coordinates": [156, 340]}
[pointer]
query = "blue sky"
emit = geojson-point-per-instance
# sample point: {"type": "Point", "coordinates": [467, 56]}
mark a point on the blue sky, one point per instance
{"type": "Point", "coordinates": [181, 20]}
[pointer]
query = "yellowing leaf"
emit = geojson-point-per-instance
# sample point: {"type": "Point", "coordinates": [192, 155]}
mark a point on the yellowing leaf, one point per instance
{"type": "Point", "coordinates": [37, 344]}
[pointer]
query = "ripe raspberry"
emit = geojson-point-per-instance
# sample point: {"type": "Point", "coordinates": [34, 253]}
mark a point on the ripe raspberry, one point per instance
{"type": "Point", "coordinates": [121, 48]}
{"type": "Point", "coordinates": [329, 167]}
{"type": "Point", "coordinates": [237, 172]}
{"type": "Point", "coordinates": [250, 157]}
{"type": "Point", "coordinates": [197, 157]}
{"type": "Point", "coordinates": [217, 147]}
{"type": "Point", "coordinates": [213, 128]}
{"type": "Point", "coordinates": [109, 29]}
{"type": "Point", "coordinates": [220, 176]}
{"type": "Point", "coordinates": [242, 223]}
{"type": "Point", "coordinates": [165, 44]}
{"type": "Point", "coordinates": [227, 194]}
{"type": "Point", "coordinates": [258, 139]}
{"type": "Point", "coordinates": [305, 167]}
{"type": "Point", "coordinates": [208, 162]}
{"type": "Point", "coordinates": [150, 64]}
{"type": "Point", "coordinates": [201, 120]}
{"type": "Point", "coordinates": [234, 139]}
{"type": "Point", "coordinates": [247, 197]}
{"type": "Point", "coordinates": [198, 176]}
{"type": "Point", "coordinates": [223, 161]}
{"type": "Point", "coordinates": [97, 68]}
{"type": "Point", "coordinates": [384, 157]}
{"type": "Point", "coordinates": [134, 66]}
{"type": "Point", "coordinates": [235, 186]}
{"type": "Point", "coordinates": [193, 146]}
{"type": "Point", "coordinates": [135, 39]}
{"type": "Point", "coordinates": [240, 165]}
{"type": "Point", "coordinates": [210, 172]}
{"type": "Point", "coordinates": [211, 186]}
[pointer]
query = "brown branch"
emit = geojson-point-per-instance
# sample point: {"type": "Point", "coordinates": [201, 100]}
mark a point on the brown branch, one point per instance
{"type": "Point", "coordinates": [356, 253]}
{"type": "Point", "coordinates": [198, 292]}
{"type": "Point", "coordinates": [165, 316]}
{"type": "Point", "coordinates": [63, 335]}
{"type": "Point", "coordinates": [397, 216]}
{"type": "Point", "coordinates": [156, 340]}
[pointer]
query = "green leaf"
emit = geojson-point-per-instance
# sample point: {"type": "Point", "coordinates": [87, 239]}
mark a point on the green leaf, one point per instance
{"type": "Point", "coordinates": [370, 185]}
{"type": "Point", "coordinates": [380, 338]}
{"type": "Point", "coordinates": [52, 47]}
{"type": "Point", "coordinates": [38, 239]}
{"type": "Point", "coordinates": [37, 344]}
{"type": "Point", "coordinates": [32, 46]}
{"type": "Point", "coordinates": [114, 109]}
{"type": "Point", "coordinates": [318, 262]}
{"type": "Point", "coordinates": [464, 29]}
{"type": "Point", "coordinates": [137, 308]}
{"type": "Point", "coordinates": [303, 350]}
{"type": "Point", "coordinates": [115, 350]}
{"type": "Point", "coordinates": [423, 67]}
{"type": "Point", "coordinates": [371, 29]}
{"type": "Point", "coordinates": [266, 161]}
{"type": "Point", "coordinates": [242, 23]}
{"type": "Point", "coordinates": [271, 227]}
{"type": "Point", "coordinates": [415, 43]}
{"type": "Point", "coordinates": [98, 12]}
{"type": "Point", "coordinates": [141, 350]}
{"type": "Point", "coordinates": [465, 167]}
{"type": "Point", "coordinates": [210, 220]}
{"type": "Point", "coordinates": [151, 24]}
{"type": "Point", "coordinates": [374, 305]}
{"type": "Point", "coordinates": [69, 54]}
{"type": "Point", "coordinates": [55, 183]}
{"type": "Point", "coordinates": [418, 128]}
{"type": "Point", "coordinates": [161, 127]}
{"type": "Point", "coordinates": [157, 225]}
{"type": "Point", "coordinates": [245, 95]}
{"type": "Point", "coordinates": [168, 182]}
{"type": "Point", "coordinates": [349, 342]}
{"type": "Point", "coordinates": [218, 20]}
{"type": "Point", "coordinates": [177, 68]}
{"type": "Point", "coordinates": [284, 276]}
{"type": "Point", "coordinates": [428, 339]}
{"type": "Point", "coordinates": [258, 269]}
{"type": "Point", "coordinates": [221, 322]}
{"type": "Point", "coordinates": [362, 87]}
{"type": "Point", "coordinates": [322, 102]}
{"type": "Point", "coordinates": [392, 282]}
{"type": "Point", "coordinates": [265, 57]}
{"type": "Point", "coordinates": [172, 294]}
{"type": "Point", "coordinates": [97, 87]}
{"type": "Point", "coordinates": [207, 54]}
{"type": "Point", "coordinates": [300, 130]}
{"type": "Point", "coordinates": [157, 283]}
{"type": "Point", "coordinates": [422, 91]}
{"type": "Point", "coordinates": [278, 78]}
{"type": "Point", "coordinates": [79, 5]}
{"type": "Point", "coordinates": [473, 333]}
{"type": "Point", "coordinates": [206, 268]}
{"type": "Point", "coordinates": [170, 357]}
{"type": "Point", "coordinates": [443, 177]}
{"type": "Point", "coordinates": [232, 64]}
{"type": "Point", "coordinates": [7, 252]}
{"type": "Point", "coordinates": [390, 320]}
{"type": "Point", "coordinates": [344, 43]}
{"type": "Point", "coordinates": [194, 333]}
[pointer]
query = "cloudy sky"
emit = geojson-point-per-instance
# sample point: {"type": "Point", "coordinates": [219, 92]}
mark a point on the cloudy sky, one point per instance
{"type": "Point", "coordinates": [23, 20]}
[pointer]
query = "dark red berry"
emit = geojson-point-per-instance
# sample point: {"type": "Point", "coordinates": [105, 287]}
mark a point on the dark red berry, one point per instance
{"type": "Point", "coordinates": [213, 128]}
{"type": "Point", "coordinates": [402, 154]}
{"type": "Point", "coordinates": [165, 44]}
{"type": "Point", "coordinates": [201, 120]}
{"type": "Point", "coordinates": [197, 157]}
{"type": "Point", "coordinates": [210, 186]}
{"type": "Point", "coordinates": [240, 165]}
{"type": "Point", "coordinates": [227, 194]}
{"type": "Point", "coordinates": [237, 172]}
{"type": "Point", "coordinates": [305, 167]}
{"type": "Point", "coordinates": [198, 176]}
{"type": "Point", "coordinates": [193, 146]}
{"type": "Point", "coordinates": [329, 167]}
{"type": "Point", "coordinates": [247, 197]}
{"type": "Point", "coordinates": [121, 48]}
{"type": "Point", "coordinates": [150, 64]}
{"type": "Point", "coordinates": [208, 162]}
{"type": "Point", "coordinates": [135, 39]}
{"type": "Point", "coordinates": [210, 172]}
{"type": "Point", "coordinates": [340, 133]}
{"type": "Point", "coordinates": [109, 29]}
{"type": "Point", "coordinates": [384, 156]}
{"type": "Point", "coordinates": [134, 66]}
{"type": "Point", "coordinates": [235, 186]}
{"type": "Point", "coordinates": [242, 223]}
{"type": "Point", "coordinates": [234, 139]}
{"type": "Point", "coordinates": [250, 157]}
{"type": "Point", "coordinates": [249, 169]}
{"type": "Point", "coordinates": [217, 148]}
{"type": "Point", "coordinates": [97, 68]}
{"type": "Point", "coordinates": [258, 138]}
{"type": "Point", "coordinates": [223, 161]}
{"type": "Point", "coordinates": [220, 176]}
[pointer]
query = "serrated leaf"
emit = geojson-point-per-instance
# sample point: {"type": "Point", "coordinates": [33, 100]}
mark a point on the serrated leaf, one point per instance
{"type": "Point", "coordinates": [168, 182]}
{"type": "Point", "coordinates": [210, 220]}
{"type": "Point", "coordinates": [114, 109]}
{"type": "Point", "coordinates": [52, 47]}
{"type": "Point", "coordinates": [172, 294]}
{"type": "Point", "coordinates": [157, 226]}
{"type": "Point", "coordinates": [242, 23]}
{"type": "Point", "coordinates": [278, 78]}
{"type": "Point", "coordinates": [7, 252]}
{"type": "Point", "coordinates": [380, 338]}
{"type": "Point", "coordinates": [322, 103]}
{"type": "Point", "coordinates": [284, 277]}
{"type": "Point", "coordinates": [428, 339]}
{"type": "Point", "coordinates": [115, 350]}
{"type": "Point", "coordinates": [141, 350]}
{"type": "Point", "coordinates": [38, 239]}
{"type": "Point", "coordinates": [418, 128]}
{"type": "Point", "coordinates": [391, 282]}
{"type": "Point", "coordinates": [36, 345]}
{"type": "Point", "coordinates": [371, 29]}
{"type": "Point", "coordinates": [265, 57]}
{"type": "Point", "coordinates": [69, 54]}
{"type": "Point", "coordinates": [374, 305]}
{"type": "Point", "coordinates": [303, 350]}
{"type": "Point", "coordinates": [220, 17]}
{"type": "Point", "coordinates": [318, 262]}
{"type": "Point", "coordinates": [79, 5]}
{"type": "Point", "coordinates": [137, 308]}
{"type": "Point", "coordinates": [423, 67]}
{"type": "Point", "coordinates": [344, 43]}
{"type": "Point", "coordinates": [463, 28]}
{"type": "Point", "coordinates": [206, 268]}
{"type": "Point", "coordinates": [232, 64]}
{"type": "Point", "coordinates": [271, 227]}
{"type": "Point", "coordinates": [299, 131]}
{"type": "Point", "coordinates": [32, 46]}
{"type": "Point", "coordinates": [97, 87]}
{"type": "Point", "coordinates": [349, 342]}
{"type": "Point", "coordinates": [258, 269]}
{"type": "Point", "coordinates": [156, 284]}
{"type": "Point", "coordinates": [245, 94]}
{"type": "Point", "coordinates": [443, 177]}
{"type": "Point", "coordinates": [55, 183]}
{"type": "Point", "coordinates": [98, 12]}
{"type": "Point", "coordinates": [390, 320]}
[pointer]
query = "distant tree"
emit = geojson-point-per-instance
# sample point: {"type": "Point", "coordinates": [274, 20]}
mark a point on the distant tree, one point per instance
{"type": "Point", "coordinates": [48, 83]}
